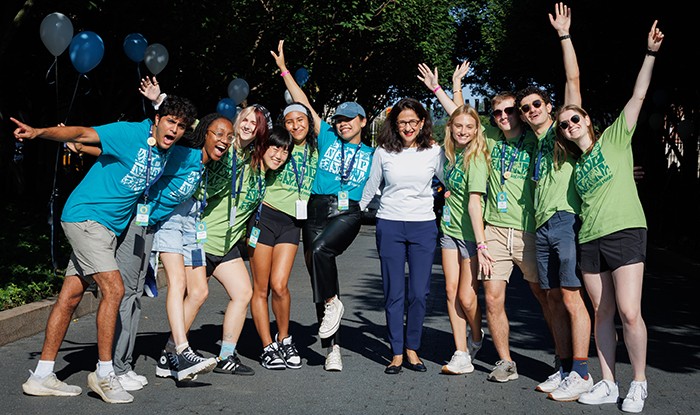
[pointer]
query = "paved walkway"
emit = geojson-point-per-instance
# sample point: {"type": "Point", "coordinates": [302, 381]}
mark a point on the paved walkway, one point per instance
{"type": "Point", "coordinates": [670, 309]}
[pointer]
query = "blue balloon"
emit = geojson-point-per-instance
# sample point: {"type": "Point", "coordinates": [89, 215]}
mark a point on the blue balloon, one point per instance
{"type": "Point", "coordinates": [301, 76]}
{"type": "Point", "coordinates": [86, 51]}
{"type": "Point", "coordinates": [227, 108]}
{"type": "Point", "coordinates": [135, 47]}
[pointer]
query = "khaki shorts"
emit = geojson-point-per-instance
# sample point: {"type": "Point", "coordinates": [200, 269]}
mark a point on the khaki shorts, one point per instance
{"type": "Point", "coordinates": [510, 246]}
{"type": "Point", "coordinates": [94, 248]}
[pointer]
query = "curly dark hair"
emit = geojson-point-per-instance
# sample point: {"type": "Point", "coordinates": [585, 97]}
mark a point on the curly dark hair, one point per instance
{"type": "Point", "coordinates": [178, 107]}
{"type": "Point", "coordinates": [196, 138]}
{"type": "Point", "coordinates": [389, 138]}
{"type": "Point", "coordinates": [529, 90]}
{"type": "Point", "coordinates": [278, 137]}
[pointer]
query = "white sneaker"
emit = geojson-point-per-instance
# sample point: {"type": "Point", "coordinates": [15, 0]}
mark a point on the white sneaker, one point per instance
{"type": "Point", "coordinates": [129, 383]}
{"type": "Point", "coordinates": [571, 387]}
{"type": "Point", "coordinates": [334, 361]}
{"type": "Point", "coordinates": [109, 388]}
{"type": "Point", "coordinates": [472, 346]}
{"type": "Point", "coordinates": [140, 378]}
{"type": "Point", "coordinates": [460, 364]}
{"type": "Point", "coordinates": [49, 386]}
{"type": "Point", "coordinates": [602, 392]}
{"type": "Point", "coordinates": [331, 318]}
{"type": "Point", "coordinates": [634, 401]}
{"type": "Point", "coordinates": [551, 384]}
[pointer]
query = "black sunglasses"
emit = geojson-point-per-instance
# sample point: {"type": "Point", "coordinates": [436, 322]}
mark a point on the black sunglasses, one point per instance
{"type": "Point", "coordinates": [575, 119]}
{"type": "Point", "coordinates": [526, 108]}
{"type": "Point", "coordinates": [507, 110]}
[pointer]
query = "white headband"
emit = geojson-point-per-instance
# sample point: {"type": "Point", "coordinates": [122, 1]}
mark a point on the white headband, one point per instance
{"type": "Point", "coordinates": [295, 107]}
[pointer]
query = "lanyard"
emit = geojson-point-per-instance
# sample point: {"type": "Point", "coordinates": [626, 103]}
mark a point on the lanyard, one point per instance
{"type": "Point", "coordinates": [261, 190]}
{"type": "Point", "coordinates": [512, 158]}
{"type": "Point", "coordinates": [538, 161]}
{"type": "Point", "coordinates": [300, 179]}
{"type": "Point", "coordinates": [235, 191]}
{"type": "Point", "coordinates": [203, 203]}
{"type": "Point", "coordinates": [345, 173]}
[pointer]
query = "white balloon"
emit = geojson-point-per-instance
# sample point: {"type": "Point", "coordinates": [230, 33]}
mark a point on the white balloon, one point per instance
{"type": "Point", "coordinates": [56, 32]}
{"type": "Point", "coordinates": [156, 58]}
{"type": "Point", "coordinates": [288, 97]}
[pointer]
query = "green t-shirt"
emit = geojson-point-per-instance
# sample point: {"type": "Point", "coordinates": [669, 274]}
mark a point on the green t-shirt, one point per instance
{"type": "Point", "coordinates": [460, 184]}
{"type": "Point", "coordinates": [283, 193]}
{"type": "Point", "coordinates": [605, 181]}
{"type": "Point", "coordinates": [555, 190]}
{"type": "Point", "coordinates": [519, 188]}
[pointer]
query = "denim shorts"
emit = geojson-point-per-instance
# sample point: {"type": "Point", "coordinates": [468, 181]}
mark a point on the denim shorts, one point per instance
{"type": "Point", "coordinates": [176, 234]}
{"type": "Point", "coordinates": [557, 251]}
{"type": "Point", "coordinates": [467, 249]}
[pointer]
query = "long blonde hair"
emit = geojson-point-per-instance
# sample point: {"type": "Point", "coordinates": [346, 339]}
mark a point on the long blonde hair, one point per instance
{"type": "Point", "coordinates": [475, 147]}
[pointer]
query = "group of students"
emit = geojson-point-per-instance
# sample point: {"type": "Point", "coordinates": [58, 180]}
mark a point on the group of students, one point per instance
{"type": "Point", "coordinates": [533, 191]}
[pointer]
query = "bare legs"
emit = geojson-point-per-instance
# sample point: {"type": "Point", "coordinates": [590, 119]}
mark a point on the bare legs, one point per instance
{"type": "Point", "coordinates": [461, 288]}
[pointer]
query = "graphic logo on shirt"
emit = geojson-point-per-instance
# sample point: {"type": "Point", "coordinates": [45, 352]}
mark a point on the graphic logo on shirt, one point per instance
{"type": "Point", "coordinates": [188, 187]}
{"type": "Point", "coordinates": [289, 179]}
{"type": "Point", "coordinates": [330, 162]}
{"type": "Point", "coordinates": [592, 171]}
{"type": "Point", "coordinates": [135, 180]}
{"type": "Point", "coordinates": [521, 164]}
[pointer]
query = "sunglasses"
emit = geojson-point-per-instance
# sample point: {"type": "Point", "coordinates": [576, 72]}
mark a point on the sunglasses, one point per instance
{"type": "Point", "coordinates": [526, 108]}
{"type": "Point", "coordinates": [507, 110]}
{"type": "Point", "coordinates": [575, 119]}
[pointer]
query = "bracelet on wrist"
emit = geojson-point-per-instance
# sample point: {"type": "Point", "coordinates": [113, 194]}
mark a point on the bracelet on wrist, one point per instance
{"type": "Point", "coordinates": [436, 88]}
{"type": "Point", "coordinates": [564, 37]}
{"type": "Point", "coordinates": [284, 73]}
{"type": "Point", "coordinates": [652, 52]}
{"type": "Point", "coordinates": [481, 247]}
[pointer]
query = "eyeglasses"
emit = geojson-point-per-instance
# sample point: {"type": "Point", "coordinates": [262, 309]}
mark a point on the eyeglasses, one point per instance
{"type": "Point", "coordinates": [526, 108]}
{"type": "Point", "coordinates": [575, 119]}
{"type": "Point", "coordinates": [222, 137]}
{"type": "Point", "coordinates": [412, 123]}
{"type": "Point", "coordinates": [507, 110]}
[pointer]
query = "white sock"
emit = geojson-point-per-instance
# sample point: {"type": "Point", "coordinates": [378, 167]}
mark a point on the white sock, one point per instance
{"type": "Point", "coordinates": [181, 347]}
{"type": "Point", "coordinates": [104, 368]}
{"type": "Point", "coordinates": [44, 368]}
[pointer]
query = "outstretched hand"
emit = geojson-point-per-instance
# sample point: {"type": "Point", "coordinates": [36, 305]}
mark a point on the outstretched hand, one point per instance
{"type": "Point", "coordinates": [429, 78]}
{"type": "Point", "coordinates": [655, 38]}
{"type": "Point", "coordinates": [279, 56]}
{"type": "Point", "coordinates": [561, 22]}
{"type": "Point", "coordinates": [460, 72]}
{"type": "Point", "coordinates": [23, 131]}
{"type": "Point", "coordinates": [149, 88]}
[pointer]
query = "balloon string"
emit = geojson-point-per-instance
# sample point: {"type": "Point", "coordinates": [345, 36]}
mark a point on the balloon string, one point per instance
{"type": "Point", "coordinates": [48, 73]}
{"type": "Point", "coordinates": [143, 99]}
{"type": "Point", "coordinates": [75, 91]}
{"type": "Point", "coordinates": [54, 191]}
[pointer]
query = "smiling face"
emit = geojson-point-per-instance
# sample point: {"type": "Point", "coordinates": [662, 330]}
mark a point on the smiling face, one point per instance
{"type": "Point", "coordinates": [574, 127]}
{"type": "Point", "coordinates": [505, 115]}
{"type": "Point", "coordinates": [167, 130]}
{"type": "Point", "coordinates": [350, 129]}
{"type": "Point", "coordinates": [408, 125]}
{"type": "Point", "coordinates": [297, 123]}
{"type": "Point", "coordinates": [463, 130]}
{"type": "Point", "coordinates": [534, 110]}
{"type": "Point", "coordinates": [274, 157]}
{"type": "Point", "coordinates": [247, 127]}
{"type": "Point", "coordinates": [218, 139]}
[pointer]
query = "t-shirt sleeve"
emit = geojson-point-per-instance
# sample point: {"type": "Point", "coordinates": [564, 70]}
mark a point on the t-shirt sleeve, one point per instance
{"type": "Point", "coordinates": [326, 134]}
{"type": "Point", "coordinates": [478, 175]}
{"type": "Point", "coordinates": [375, 179]}
{"type": "Point", "coordinates": [617, 134]}
{"type": "Point", "coordinates": [117, 139]}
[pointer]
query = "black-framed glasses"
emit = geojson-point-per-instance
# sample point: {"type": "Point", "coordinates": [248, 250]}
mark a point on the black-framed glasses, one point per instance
{"type": "Point", "coordinates": [526, 108]}
{"type": "Point", "coordinates": [507, 110]}
{"type": "Point", "coordinates": [412, 123]}
{"type": "Point", "coordinates": [575, 119]}
{"type": "Point", "coordinates": [222, 137]}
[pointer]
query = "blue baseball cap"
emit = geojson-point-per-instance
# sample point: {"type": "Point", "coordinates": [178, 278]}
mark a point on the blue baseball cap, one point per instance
{"type": "Point", "coordinates": [349, 109]}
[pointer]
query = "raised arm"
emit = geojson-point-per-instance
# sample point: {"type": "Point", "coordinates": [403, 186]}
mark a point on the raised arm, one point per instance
{"type": "Point", "coordinates": [459, 73]}
{"type": "Point", "coordinates": [634, 105]}
{"type": "Point", "coordinates": [85, 135]}
{"type": "Point", "coordinates": [294, 89]}
{"type": "Point", "coordinates": [150, 89]}
{"type": "Point", "coordinates": [430, 79]}
{"type": "Point", "coordinates": [561, 22]}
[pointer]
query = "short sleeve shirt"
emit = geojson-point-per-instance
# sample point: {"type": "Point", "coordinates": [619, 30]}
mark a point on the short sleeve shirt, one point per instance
{"type": "Point", "coordinates": [180, 180]}
{"type": "Point", "coordinates": [460, 184]}
{"type": "Point", "coordinates": [294, 181]}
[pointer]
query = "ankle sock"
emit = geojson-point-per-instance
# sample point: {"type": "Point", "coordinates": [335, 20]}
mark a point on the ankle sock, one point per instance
{"type": "Point", "coordinates": [181, 347]}
{"type": "Point", "coordinates": [104, 368]}
{"type": "Point", "coordinates": [44, 368]}
{"type": "Point", "coordinates": [227, 349]}
{"type": "Point", "coordinates": [580, 366]}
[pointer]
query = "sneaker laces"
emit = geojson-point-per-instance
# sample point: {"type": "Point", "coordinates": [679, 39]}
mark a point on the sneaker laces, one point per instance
{"type": "Point", "coordinates": [329, 313]}
{"type": "Point", "coordinates": [289, 350]}
{"type": "Point", "coordinates": [192, 356]}
{"type": "Point", "coordinates": [599, 385]}
{"type": "Point", "coordinates": [637, 392]}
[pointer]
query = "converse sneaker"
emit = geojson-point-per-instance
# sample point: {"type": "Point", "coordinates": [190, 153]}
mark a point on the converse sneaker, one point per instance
{"type": "Point", "coordinates": [190, 363]}
{"type": "Point", "coordinates": [460, 363]}
{"type": "Point", "coordinates": [472, 346]}
{"type": "Point", "coordinates": [289, 353]}
{"type": "Point", "coordinates": [109, 388]}
{"type": "Point", "coordinates": [129, 383]}
{"type": "Point", "coordinates": [167, 365]}
{"type": "Point", "coordinates": [551, 384]}
{"type": "Point", "coordinates": [571, 387]}
{"type": "Point", "coordinates": [331, 318]}
{"type": "Point", "coordinates": [634, 401]}
{"type": "Point", "coordinates": [602, 392]}
{"type": "Point", "coordinates": [49, 386]}
{"type": "Point", "coordinates": [503, 372]}
{"type": "Point", "coordinates": [233, 366]}
{"type": "Point", "coordinates": [138, 377]}
{"type": "Point", "coordinates": [272, 357]}
{"type": "Point", "coordinates": [334, 361]}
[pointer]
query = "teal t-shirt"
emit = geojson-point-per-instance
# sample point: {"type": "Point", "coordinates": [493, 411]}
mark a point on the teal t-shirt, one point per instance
{"type": "Point", "coordinates": [356, 162]}
{"type": "Point", "coordinates": [111, 188]}
{"type": "Point", "coordinates": [605, 181]}
{"type": "Point", "coordinates": [510, 158]}
{"type": "Point", "coordinates": [555, 190]}
{"type": "Point", "coordinates": [294, 181]}
{"type": "Point", "coordinates": [180, 180]}
{"type": "Point", "coordinates": [460, 184]}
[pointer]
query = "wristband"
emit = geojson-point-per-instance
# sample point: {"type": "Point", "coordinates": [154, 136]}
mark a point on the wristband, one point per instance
{"type": "Point", "coordinates": [284, 73]}
{"type": "Point", "coordinates": [436, 88]}
{"type": "Point", "coordinates": [481, 247]}
{"type": "Point", "coordinates": [652, 52]}
{"type": "Point", "coordinates": [159, 101]}
{"type": "Point", "coordinates": [564, 37]}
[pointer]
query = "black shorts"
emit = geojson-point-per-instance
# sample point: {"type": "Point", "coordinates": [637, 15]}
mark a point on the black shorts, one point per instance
{"type": "Point", "coordinates": [214, 261]}
{"type": "Point", "coordinates": [276, 227]}
{"type": "Point", "coordinates": [610, 252]}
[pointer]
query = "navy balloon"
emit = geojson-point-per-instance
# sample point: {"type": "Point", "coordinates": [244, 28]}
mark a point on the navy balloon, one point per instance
{"type": "Point", "coordinates": [227, 108]}
{"type": "Point", "coordinates": [135, 47]}
{"type": "Point", "coordinates": [86, 51]}
{"type": "Point", "coordinates": [301, 76]}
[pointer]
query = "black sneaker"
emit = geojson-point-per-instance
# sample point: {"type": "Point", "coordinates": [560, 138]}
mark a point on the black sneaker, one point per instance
{"type": "Point", "coordinates": [272, 357]}
{"type": "Point", "coordinates": [190, 363]}
{"type": "Point", "coordinates": [167, 365]}
{"type": "Point", "coordinates": [233, 366]}
{"type": "Point", "coordinates": [289, 353]}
